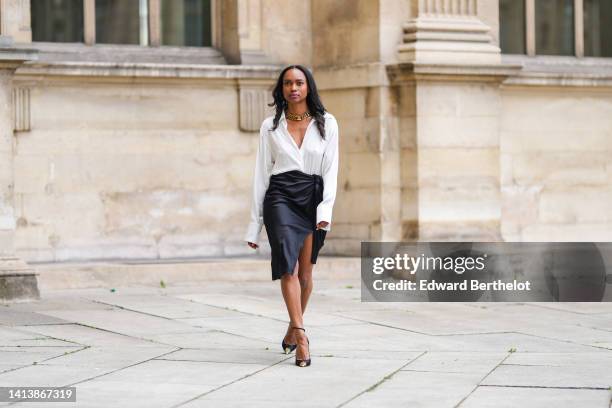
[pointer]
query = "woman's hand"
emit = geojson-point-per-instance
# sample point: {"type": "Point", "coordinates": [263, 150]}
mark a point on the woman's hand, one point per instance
{"type": "Point", "coordinates": [252, 245]}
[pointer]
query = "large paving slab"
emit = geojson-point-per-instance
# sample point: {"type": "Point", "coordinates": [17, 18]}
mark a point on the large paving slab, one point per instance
{"type": "Point", "coordinates": [420, 389]}
{"type": "Point", "coordinates": [330, 383]}
{"type": "Point", "coordinates": [505, 397]}
{"type": "Point", "coordinates": [582, 370]}
{"type": "Point", "coordinates": [217, 344]}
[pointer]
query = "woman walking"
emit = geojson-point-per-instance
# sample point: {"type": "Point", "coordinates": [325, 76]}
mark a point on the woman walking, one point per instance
{"type": "Point", "coordinates": [294, 189]}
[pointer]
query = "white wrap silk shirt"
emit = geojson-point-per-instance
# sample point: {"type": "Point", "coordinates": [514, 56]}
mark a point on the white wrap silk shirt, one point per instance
{"type": "Point", "coordinates": [278, 153]}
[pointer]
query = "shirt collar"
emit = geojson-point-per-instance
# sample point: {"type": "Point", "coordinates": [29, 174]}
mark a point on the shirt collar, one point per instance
{"type": "Point", "coordinates": [283, 120]}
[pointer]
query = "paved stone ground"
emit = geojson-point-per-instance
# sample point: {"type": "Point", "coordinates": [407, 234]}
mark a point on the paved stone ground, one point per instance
{"type": "Point", "coordinates": [217, 344]}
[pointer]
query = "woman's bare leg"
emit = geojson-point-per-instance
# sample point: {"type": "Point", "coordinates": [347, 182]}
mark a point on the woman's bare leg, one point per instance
{"type": "Point", "coordinates": [290, 286]}
{"type": "Point", "coordinates": [304, 273]}
{"type": "Point", "coordinates": [305, 278]}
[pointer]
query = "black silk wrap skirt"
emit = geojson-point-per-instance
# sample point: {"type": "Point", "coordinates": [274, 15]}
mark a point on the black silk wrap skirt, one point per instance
{"type": "Point", "coordinates": [290, 214]}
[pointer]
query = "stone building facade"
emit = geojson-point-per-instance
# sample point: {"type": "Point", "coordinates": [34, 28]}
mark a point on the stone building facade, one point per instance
{"type": "Point", "coordinates": [146, 151]}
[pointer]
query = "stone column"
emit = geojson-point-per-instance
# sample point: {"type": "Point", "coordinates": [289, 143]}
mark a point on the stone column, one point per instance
{"type": "Point", "coordinates": [449, 75]}
{"type": "Point", "coordinates": [229, 42]}
{"type": "Point", "coordinates": [447, 31]}
{"type": "Point", "coordinates": [17, 280]}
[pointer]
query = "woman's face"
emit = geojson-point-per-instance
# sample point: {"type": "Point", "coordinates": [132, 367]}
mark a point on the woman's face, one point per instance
{"type": "Point", "coordinates": [295, 87]}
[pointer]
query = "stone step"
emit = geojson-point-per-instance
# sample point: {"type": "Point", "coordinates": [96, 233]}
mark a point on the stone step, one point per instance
{"type": "Point", "coordinates": [125, 273]}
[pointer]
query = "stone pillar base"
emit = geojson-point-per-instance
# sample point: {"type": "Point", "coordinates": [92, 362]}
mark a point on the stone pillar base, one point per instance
{"type": "Point", "coordinates": [448, 32]}
{"type": "Point", "coordinates": [18, 281]}
{"type": "Point", "coordinates": [463, 39]}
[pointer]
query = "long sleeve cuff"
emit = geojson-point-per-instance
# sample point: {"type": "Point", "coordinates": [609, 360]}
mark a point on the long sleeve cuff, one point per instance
{"type": "Point", "coordinates": [324, 213]}
{"type": "Point", "coordinates": [253, 231]}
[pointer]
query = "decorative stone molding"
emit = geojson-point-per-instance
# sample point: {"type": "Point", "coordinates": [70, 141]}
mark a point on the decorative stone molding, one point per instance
{"type": "Point", "coordinates": [560, 71]}
{"type": "Point", "coordinates": [447, 7]}
{"type": "Point", "coordinates": [408, 72]}
{"type": "Point", "coordinates": [253, 106]}
{"type": "Point", "coordinates": [448, 31]}
{"type": "Point", "coordinates": [21, 109]}
{"type": "Point", "coordinates": [131, 71]}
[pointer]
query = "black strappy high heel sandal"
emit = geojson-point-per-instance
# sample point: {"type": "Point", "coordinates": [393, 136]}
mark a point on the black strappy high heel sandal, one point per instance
{"type": "Point", "coordinates": [303, 363]}
{"type": "Point", "coordinates": [288, 348]}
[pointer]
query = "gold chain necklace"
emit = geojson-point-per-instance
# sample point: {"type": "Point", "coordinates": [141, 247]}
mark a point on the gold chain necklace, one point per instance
{"type": "Point", "coordinates": [293, 116]}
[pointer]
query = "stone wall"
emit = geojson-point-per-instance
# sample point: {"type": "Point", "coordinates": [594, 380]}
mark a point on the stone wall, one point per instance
{"type": "Point", "coordinates": [358, 207]}
{"type": "Point", "coordinates": [345, 32]}
{"type": "Point", "coordinates": [556, 163]}
{"type": "Point", "coordinates": [130, 168]}
{"type": "Point", "coordinates": [458, 160]}
{"type": "Point", "coordinates": [276, 32]}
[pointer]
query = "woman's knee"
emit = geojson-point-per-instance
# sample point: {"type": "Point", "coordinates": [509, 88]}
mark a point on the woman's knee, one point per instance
{"type": "Point", "coordinates": [292, 275]}
{"type": "Point", "coordinates": [289, 277]}
{"type": "Point", "coordinates": [305, 274]}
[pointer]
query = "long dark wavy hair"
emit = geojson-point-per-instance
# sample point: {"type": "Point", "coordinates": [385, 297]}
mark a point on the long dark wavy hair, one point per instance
{"type": "Point", "coordinates": [315, 106]}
